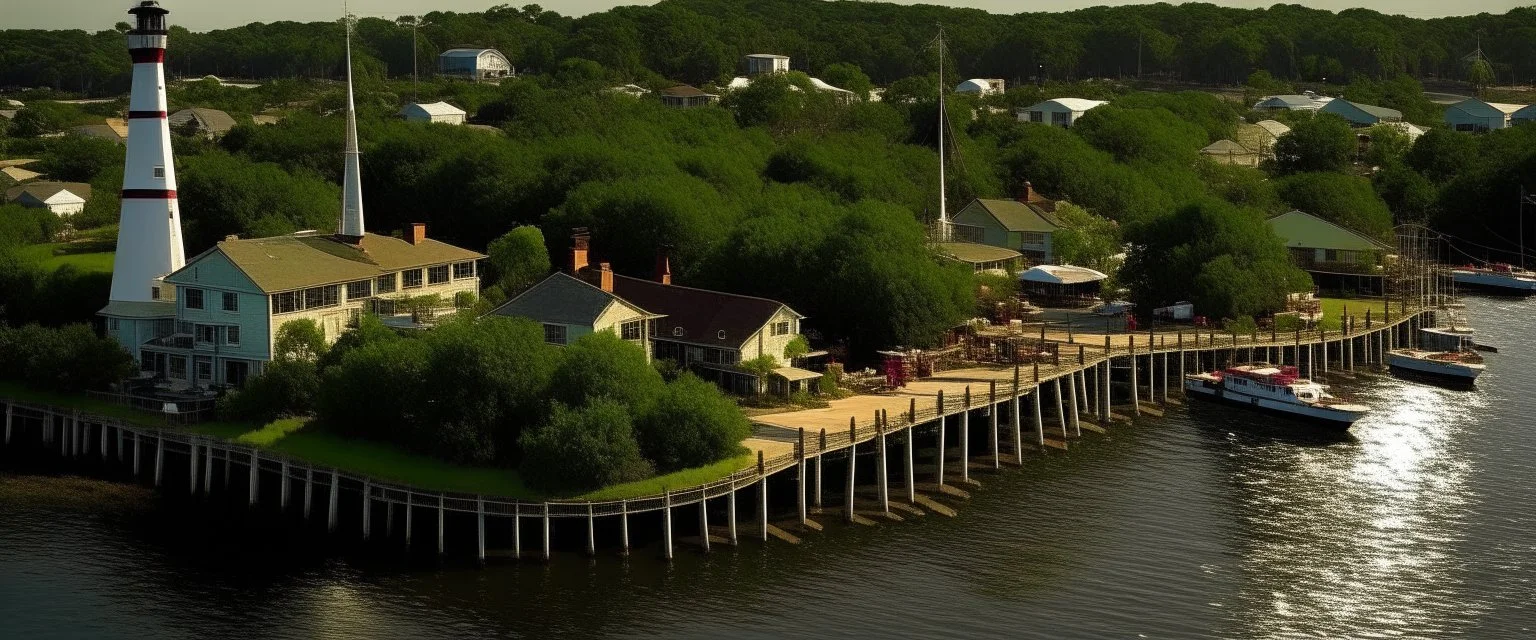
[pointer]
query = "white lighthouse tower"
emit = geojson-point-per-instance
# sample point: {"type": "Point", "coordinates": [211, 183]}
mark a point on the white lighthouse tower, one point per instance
{"type": "Point", "coordinates": [149, 235]}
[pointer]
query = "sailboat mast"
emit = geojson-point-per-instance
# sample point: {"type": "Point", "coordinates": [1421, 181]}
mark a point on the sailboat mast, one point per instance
{"type": "Point", "coordinates": [943, 206]}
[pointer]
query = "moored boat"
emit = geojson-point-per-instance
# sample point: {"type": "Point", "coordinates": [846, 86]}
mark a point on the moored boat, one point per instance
{"type": "Point", "coordinates": [1277, 389]}
{"type": "Point", "coordinates": [1455, 365]}
{"type": "Point", "coordinates": [1496, 277]}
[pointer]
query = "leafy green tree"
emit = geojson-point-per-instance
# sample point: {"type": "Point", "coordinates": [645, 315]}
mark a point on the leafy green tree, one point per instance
{"type": "Point", "coordinates": [1388, 145]}
{"type": "Point", "coordinates": [71, 358]}
{"type": "Point", "coordinates": [518, 258]}
{"type": "Point", "coordinates": [601, 365]}
{"type": "Point", "coordinates": [1441, 154]}
{"type": "Point", "coordinates": [226, 195]}
{"type": "Point", "coordinates": [299, 340]}
{"type": "Point", "coordinates": [1410, 195]}
{"type": "Point", "coordinates": [1342, 199]}
{"type": "Point", "coordinates": [283, 388]}
{"type": "Point", "coordinates": [1323, 143]}
{"type": "Point", "coordinates": [1480, 74]}
{"type": "Point", "coordinates": [80, 158]}
{"type": "Point", "coordinates": [692, 424]}
{"type": "Point", "coordinates": [491, 379]}
{"type": "Point", "coordinates": [583, 448]}
{"type": "Point", "coordinates": [847, 76]}
{"type": "Point", "coordinates": [1085, 239]}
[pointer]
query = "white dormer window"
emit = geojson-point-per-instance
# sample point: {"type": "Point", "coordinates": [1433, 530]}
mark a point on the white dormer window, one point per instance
{"type": "Point", "coordinates": [677, 332]}
{"type": "Point", "coordinates": [160, 172]}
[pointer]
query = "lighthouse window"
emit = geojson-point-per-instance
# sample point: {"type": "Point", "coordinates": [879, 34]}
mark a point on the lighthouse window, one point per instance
{"type": "Point", "coordinates": [160, 173]}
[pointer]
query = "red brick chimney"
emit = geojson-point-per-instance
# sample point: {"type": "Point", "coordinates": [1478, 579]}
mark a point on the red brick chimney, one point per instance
{"type": "Point", "coordinates": [581, 243]}
{"type": "Point", "coordinates": [1027, 192]}
{"type": "Point", "coordinates": [416, 232]}
{"type": "Point", "coordinates": [663, 266]}
{"type": "Point", "coordinates": [605, 277]}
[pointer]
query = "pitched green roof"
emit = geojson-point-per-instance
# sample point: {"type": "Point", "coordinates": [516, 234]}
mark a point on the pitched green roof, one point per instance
{"type": "Point", "coordinates": [282, 263]}
{"type": "Point", "coordinates": [1017, 216]}
{"type": "Point", "coordinates": [562, 299]}
{"type": "Point", "coordinates": [1305, 231]}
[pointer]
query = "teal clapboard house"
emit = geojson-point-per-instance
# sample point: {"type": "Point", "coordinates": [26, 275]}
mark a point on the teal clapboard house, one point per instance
{"type": "Point", "coordinates": [1025, 225]}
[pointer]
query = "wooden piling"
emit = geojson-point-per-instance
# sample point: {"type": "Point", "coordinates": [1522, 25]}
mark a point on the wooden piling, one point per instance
{"type": "Point", "coordinates": [624, 526]}
{"type": "Point", "coordinates": [853, 458]}
{"type": "Point", "coordinates": [730, 516]}
{"type": "Point", "coordinates": [1039, 423]}
{"type": "Point", "coordinates": [136, 454]}
{"type": "Point", "coordinates": [911, 473]}
{"type": "Point", "coordinates": [1061, 409]}
{"type": "Point", "coordinates": [1072, 392]}
{"type": "Point", "coordinates": [159, 457]}
{"type": "Point", "coordinates": [965, 438]}
{"type": "Point", "coordinates": [993, 410]}
{"type": "Point", "coordinates": [547, 546]}
{"type": "Point", "coordinates": [820, 450]}
{"type": "Point", "coordinates": [938, 456]}
{"type": "Point", "coordinates": [287, 486]}
{"type": "Point", "coordinates": [479, 529]}
{"type": "Point", "coordinates": [1135, 385]}
{"type": "Point", "coordinates": [8, 419]}
{"type": "Point", "coordinates": [666, 523]}
{"type": "Point", "coordinates": [192, 469]}
{"type": "Point", "coordinates": [762, 498]}
{"type": "Point", "coordinates": [255, 483]}
{"type": "Point", "coordinates": [882, 489]}
{"type": "Point", "coordinates": [368, 509]}
{"type": "Point", "coordinates": [330, 508]}
{"type": "Point", "coordinates": [800, 475]}
{"type": "Point", "coordinates": [1018, 427]}
{"type": "Point", "coordinates": [704, 522]}
{"type": "Point", "coordinates": [410, 512]}
{"type": "Point", "coordinates": [592, 528]}
{"type": "Point", "coordinates": [309, 490]}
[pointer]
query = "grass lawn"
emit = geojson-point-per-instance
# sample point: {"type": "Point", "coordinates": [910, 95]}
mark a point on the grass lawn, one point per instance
{"type": "Point", "coordinates": [1333, 309]}
{"type": "Point", "coordinates": [87, 261]}
{"type": "Point", "coordinates": [298, 438]}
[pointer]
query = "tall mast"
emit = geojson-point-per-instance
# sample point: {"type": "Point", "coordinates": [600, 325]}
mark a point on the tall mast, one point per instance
{"type": "Point", "coordinates": [943, 206]}
{"type": "Point", "coordinates": [351, 227]}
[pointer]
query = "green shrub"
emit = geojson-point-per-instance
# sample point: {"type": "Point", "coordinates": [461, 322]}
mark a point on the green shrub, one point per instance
{"type": "Point", "coordinates": [583, 448]}
{"type": "Point", "coordinates": [285, 388]}
{"type": "Point", "coordinates": [692, 424]}
{"type": "Point", "coordinates": [68, 358]}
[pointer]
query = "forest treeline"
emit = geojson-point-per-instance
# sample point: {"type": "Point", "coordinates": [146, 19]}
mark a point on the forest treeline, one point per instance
{"type": "Point", "coordinates": [700, 41]}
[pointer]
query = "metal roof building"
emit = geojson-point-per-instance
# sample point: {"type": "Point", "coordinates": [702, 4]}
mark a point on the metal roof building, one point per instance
{"type": "Point", "coordinates": [440, 112]}
{"type": "Point", "coordinates": [475, 64]}
{"type": "Point", "coordinates": [1476, 115]}
{"type": "Point", "coordinates": [1361, 115]}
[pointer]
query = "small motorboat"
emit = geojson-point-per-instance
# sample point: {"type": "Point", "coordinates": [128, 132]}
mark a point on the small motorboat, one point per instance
{"type": "Point", "coordinates": [1464, 365]}
{"type": "Point", "coordinates": [1501, 278]}
{"type": "Point", "coordinates": [1276, 389]}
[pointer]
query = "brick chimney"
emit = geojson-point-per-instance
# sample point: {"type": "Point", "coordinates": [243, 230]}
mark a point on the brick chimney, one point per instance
{"type": "Point", "coordinates": [581, 243]}
{"type": "Point", "coordinates": [664, 265]}
{"type": "Point", "coordinates": [416, 232]}
{"type": "Point", "coordinates": [605, 277]}
{"type": "Point", "coordinates": [1027, 192]}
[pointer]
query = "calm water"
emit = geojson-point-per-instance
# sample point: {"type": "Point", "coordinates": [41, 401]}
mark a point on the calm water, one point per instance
{"type": "Point", "coordinates": [1209, 523]}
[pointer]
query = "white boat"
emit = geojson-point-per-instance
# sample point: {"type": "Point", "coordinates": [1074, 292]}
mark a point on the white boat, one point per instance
{"type": "Point", "coordinates": [1455, 365]}
{"type": "Point", "coordinates": [1277, 389]}
{"type": "Point", "coordinates": [1497, 277]}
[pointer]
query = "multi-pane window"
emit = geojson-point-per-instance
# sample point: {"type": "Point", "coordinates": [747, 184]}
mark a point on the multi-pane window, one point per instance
{"type": "Point", "coordinates": [1032, 237]}
{"type": "Point", "coordinates": [206, 333]}
{"type": "Point", "coordinates": [154, 293]}
{"type": "Point", "coordinates": [385, 284]}
{"type": "Point", "coordinates": [231, 301]}
{"type": "Point", "coordinates": [204, 369]}
{"type": "Point", "coordinates": [113, 324]}
{"type": "Point", "coordinates": [463, 270]}
{"type": "Point", "coordinates": [285, 302]}
{"type": "Point", "coordinates": [778, 329]}
{"type": "Point", "coordinates": [554, 333]}
{"type": "Point", "coordinates": [437, 274]}
{"type": "Point", "coordinates": [359, 289]}
{"type": "Point", "coordinates": [631, 330]}
{"type": "Point", "coordinates": [232, 336]}
{"type": "Point", "coordinates": [321, 297]}
{"type": "Point", "coordinates": [159, 172]}
{"type": "Point", "coordinates": [194, 298]}
{"type": "Point", "coordinates": [410, 279]}
{"type": "Point", "coordinates": [179, 367]}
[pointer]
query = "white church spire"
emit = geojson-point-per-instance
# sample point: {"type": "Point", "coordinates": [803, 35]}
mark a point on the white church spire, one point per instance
{"type": "Point", "coordinates": [351, 228]}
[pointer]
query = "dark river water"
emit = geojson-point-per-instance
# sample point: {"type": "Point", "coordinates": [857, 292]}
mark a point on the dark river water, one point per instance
{"type": "Point", "coordinates": [1212, 522]}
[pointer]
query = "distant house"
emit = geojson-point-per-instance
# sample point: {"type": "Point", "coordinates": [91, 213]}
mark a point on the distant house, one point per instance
{"type": "Point", "coordinates": [1025, 225]}
{"type": "Point", "coordinates": [1260, 137]}
{"type": "Point", "coordinates": [1060, 112]}
{"type": "Point", "coordinates": [569, 307]}
{"type": "Point", "coordinates": [1292, 102]}
{"type": "Point", "coordinates": [631, 90]}
{"type": "Point", "coordinates": [114, 129]}
{"type": "Point", "coordinates": [61, 198]}
{"type": "Point", "coordinates": [1229, 152]}
{"type": "Point", "coordinates": [1361, 115]}
{"type": "Point", "coordinates": [474, 64]}
{"type": "Point", "coordinates": [761, 63]}
{"type": "Point", "coordinates": [1475, 115]}
{"type": "Point", "coordinates": [18, 174]}
{"type": "Point", "coordinates": [686, 96]}
{"type": "Point", "coordinates": [1527, 114]}
{"type": "Point", "coordinates": [209, 123]}
{"type": "Point", "coordinates": [1337, 257]}
{"type": "Point", "coordinates": [981, 257]}
{"type": "Point", "coordinates": [981, 86]}
{"type": "Point", "coordinates": [439, 112]}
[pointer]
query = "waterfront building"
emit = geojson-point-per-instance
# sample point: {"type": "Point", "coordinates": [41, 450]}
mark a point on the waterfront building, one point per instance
{"type": "Point", "coordinates": [469, 63]}
{"type": "Point", "coordinates": [209, 123]}
{"type": "Point", "coordinates": [1059, 112]}
{"type": "Point", "coordinates": [439, 112]}
{"type": "Point", "coordinates": [60, 198]}
{"type": "Point", "coordinates": [569, 307]}
{"type": "Point", "coordinates": [1337, 257]}
{"type": "Point", "coordinates": [1476, 115]}
{"type": "Point", "coordinates": [1360, 114]}
{"type": "Point", "coordinates": [1026, 225]}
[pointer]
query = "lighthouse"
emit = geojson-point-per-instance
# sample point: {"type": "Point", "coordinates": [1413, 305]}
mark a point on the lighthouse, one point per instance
{"type": "Point", "coordinates": [149, 234]}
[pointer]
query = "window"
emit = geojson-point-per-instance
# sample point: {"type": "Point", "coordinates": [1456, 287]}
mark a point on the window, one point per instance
{"type": "Point", "coordinates": [204, 369]}
{"type": "Point", "coordinates": [1060, 118]}
{"type": "Point", "coordinates": [321, 297]}
{"type": "Point", "coordinates": [1330, 255]}
{"type": "Point", "coordinates": [206, 333]}
{"type": "Point", "coordinates": [194, 298]}
{"type": "Point", "coordinates": [113, 324]}
{"type": "Point", "coordinates": [463, 270]}
{"type": "Point", "coordinates": [286, 302]}
{"type": "Point", "coordinates": [410, 279]}
{"type": "Point", "coordinates": [232, 336]}
{"type": "Point", "coordinates": [159, 172]}
{"type": "Point", "coordinates": [630, 330]}
{"type": "Point", "coordinates": [437, 274]}
{"type": "Point", "coordinates": [1032, 237]}
{"type": "Point", "coordinates": [778, 329]}
{"type": "Point", "coordinates": [554, 333]}
{"type": "Point", "coordinates": [359, 290]}
{"type": "Point", "coordinates": [231, 301]}
{"type": "Point", "coordinates": [1037, 116]}
{"type": "Point", "coordinates": [178, 367]}
{"type": "Point", "coordinates": [385, 284]}
{"type": "Point", "coordinates": [154, 293]}
{"type": "Point", "coordinates": [677, 332]}
{"type": "Point", "coordinates": [183, 327]}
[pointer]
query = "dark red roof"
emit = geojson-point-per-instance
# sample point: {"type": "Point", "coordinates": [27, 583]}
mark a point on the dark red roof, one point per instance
{"type": "Point", "coordinates": [701, 314]}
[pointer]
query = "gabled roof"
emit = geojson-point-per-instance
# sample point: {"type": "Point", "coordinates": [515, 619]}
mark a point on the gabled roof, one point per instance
{"type": "Point", "coordinates": [1224, 147]}
{"type": "Point", "coordinates": [1067, 104]}
{"type": "Point", "coordinates": [1526, 113]}
{"type": "Point", "coordinates": [1018, 216]}
{"type": "Point", "coordinates": [19, 174]}
{"type": "Point", "coordinates": [701, 314]}
{"type": "Point", "coordinates": [1343, 108]}
{"type": "Point", "coordinates": [282, 263]}
{"type": "Point", "coordinates": [562, 299]}
{"type": "Point", "coordinates": [467, 52]}
{"type": "Point", "coordinates": [1292, 101]}
{"type": "Point", "coordinates": [433, 109]}
{"type": "Point", "coordinates": [1273, 127]}
{"type": "Point", "coordinates": [1061, 274]}
{"type": "Point", "coordinates": [42, 191]}
{"type": "Point", "coordinates": [1476, 107]}
{"type": "Point", "coordinates": [210, 120]}
{"type": "Point", "coordinates": [685, 91]}
{"type": "Point", "coordinates": [1306, 231]}
{"type": "Point", "coordinates": [767, 56]}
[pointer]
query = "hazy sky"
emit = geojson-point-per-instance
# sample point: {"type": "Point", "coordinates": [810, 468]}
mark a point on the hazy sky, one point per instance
{"type": "Point", "coordinates": [201, 15]}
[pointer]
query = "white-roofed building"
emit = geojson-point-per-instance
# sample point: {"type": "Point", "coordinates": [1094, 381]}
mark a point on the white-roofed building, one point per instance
{"type": "Point", "coordinates": [1061, 112]}
{"type": "Point", "coordinates": [767, 63]}
{"type": "Point", "coordinates": [1476, 115]}
{"type": "Point", "coordinates": [1360, 114]}
{"type": "Point", "coordinates": [1527, 114]}
{"type": "Point", "coordinates": [981, 86]}
{"type": "Point", "coordinates": [59, 198]}
{"type": "Point", "coordinates": [474, 64]}
{"type": "Point", "coordinates": [761, 63]}
{"type": "Point", "coordinates": [439, 112]}
{"type": "Point", "coordinates": [1293, 102]}
{"type": "Point", "coordinates": [1412, 130]}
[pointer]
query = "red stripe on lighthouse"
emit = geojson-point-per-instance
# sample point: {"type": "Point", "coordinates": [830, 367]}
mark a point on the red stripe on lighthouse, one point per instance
{"type": "Point", "coordinates": [147, 55]}
{"type": "Point", "coordinates": [149, 194]}
{"type": "Point", "coordinates": [146, 114]}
